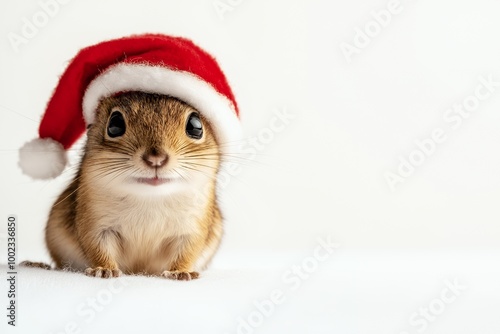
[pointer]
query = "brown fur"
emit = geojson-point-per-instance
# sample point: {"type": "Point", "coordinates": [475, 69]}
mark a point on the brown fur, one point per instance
{"type": "Point", "coordinates": [100, 226]}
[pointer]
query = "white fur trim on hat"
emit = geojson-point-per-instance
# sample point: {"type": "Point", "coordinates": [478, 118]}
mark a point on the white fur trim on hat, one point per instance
{"type": "Point", "coordinates": [42, 158]}
{"type": "Point", "coordinates": [185, 86]}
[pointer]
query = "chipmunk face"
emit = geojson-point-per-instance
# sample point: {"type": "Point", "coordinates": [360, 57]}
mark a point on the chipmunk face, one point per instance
{"type": "Point", "coordinates": [150, 144]}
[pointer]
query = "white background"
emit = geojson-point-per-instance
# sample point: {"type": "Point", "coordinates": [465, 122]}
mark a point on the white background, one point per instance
{"type": "Point", "coordinates": [324, 173]}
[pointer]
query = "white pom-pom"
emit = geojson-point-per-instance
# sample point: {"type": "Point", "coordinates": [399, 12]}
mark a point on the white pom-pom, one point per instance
{"type": "Point", "coordinates": [42, 158]}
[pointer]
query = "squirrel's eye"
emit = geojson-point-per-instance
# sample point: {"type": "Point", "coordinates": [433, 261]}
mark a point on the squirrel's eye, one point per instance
{"type": "Point", "coordinates": [194, 128]}
{"type": "Point", "coordinates": [116, 125]}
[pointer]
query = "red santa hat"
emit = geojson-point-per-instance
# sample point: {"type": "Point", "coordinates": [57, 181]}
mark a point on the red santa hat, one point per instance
{"type": "Point", "coordinates": [150, 63]}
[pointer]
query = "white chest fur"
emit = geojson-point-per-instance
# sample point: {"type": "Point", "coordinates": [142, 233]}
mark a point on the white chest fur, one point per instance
{"type": "Point", "coordinates": [149, 233]}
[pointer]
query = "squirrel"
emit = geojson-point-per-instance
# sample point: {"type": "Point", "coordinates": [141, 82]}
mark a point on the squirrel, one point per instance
{"type": "Point", "coordinates": [143, 200]}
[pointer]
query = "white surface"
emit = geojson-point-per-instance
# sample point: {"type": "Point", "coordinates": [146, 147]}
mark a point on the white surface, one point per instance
{"type": "Point", "coordinates": [321, 173]}
{"type": "Point", "coordinates": [350, 292]}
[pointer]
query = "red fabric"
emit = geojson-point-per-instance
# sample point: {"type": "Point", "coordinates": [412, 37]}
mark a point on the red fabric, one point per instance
{"type": "Point", "coordinates": [65, 106]}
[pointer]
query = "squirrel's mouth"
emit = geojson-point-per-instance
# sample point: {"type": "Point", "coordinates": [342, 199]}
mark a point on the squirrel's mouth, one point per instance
{"type": "Point", "coordinates": [154, 181]}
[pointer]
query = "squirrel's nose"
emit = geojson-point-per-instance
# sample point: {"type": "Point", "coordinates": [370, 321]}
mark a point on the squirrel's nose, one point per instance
{"type": "Point", "coordinates": [155, 159]}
